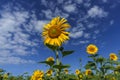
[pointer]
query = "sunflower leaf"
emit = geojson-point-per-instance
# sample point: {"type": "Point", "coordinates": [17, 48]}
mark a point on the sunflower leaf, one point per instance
{"type": "Point", "coordinates": [60, 67]}
{"type": "Point", "coordinates": [100, 59]}
{"type": "Point", "coordinates": [50, 63]}
{"type": "Point", "coordinates": [65, 53]}
{"type": "Point", "coordinates": [90, 64]}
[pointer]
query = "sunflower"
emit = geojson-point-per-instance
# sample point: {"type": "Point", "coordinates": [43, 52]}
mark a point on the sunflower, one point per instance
{"type": "Point", "coordinates": [77, 72]}
{"type": "Point", "coordinates": [88, 72]}
{"type": "Point", "coordinates": [113, 57]}
{"type": "Point", "coordinates": [113, 78]}
{"type": "Point", "coordinates": [66, 71]}
{"type": "Point", "coordinates": [37, 75]}
{"type": "Point", "coordinates": [80, 76]}
{"type": "Point", "coordinates": [117, 68]}
{"type": "Point", "coordinates": [49, 72]}
{"type": "Point", "coordinates": [92, 49]}
{"type": "Point", "coordinates": [54, 33]}
{"type": "Point", "coordinates": [5, 76]}
{"type": "Point", "coordinates": [50, 59]}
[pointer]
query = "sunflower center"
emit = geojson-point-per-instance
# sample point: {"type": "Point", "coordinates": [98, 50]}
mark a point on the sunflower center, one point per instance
{"type": "Point", "coordinates": [92, 49]}
{"type": "Point", "coordinates": [112, 56]}
{"type": "Point", "coordinates": [54, 32]}
{"type": "Point", "coordinates": [89, 72]}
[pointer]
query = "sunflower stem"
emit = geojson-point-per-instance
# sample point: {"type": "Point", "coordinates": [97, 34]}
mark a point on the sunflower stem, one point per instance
{"type": "Point", "coordinates": [57, 63]}
{"type": "Point", "coordinates": [57, 58]}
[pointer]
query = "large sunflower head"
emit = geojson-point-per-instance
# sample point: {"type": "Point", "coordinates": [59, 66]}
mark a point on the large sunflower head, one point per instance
{"type": "Point", "coordinates": [113, 57]}
{"type": "Point", "coordinates": [92, 49]}
{"type": "Point", "coordinates": [54, 33]}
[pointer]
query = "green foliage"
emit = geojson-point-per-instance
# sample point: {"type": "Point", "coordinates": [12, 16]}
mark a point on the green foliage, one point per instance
{"type": "Point", "coordinates": [65, 53]}
{"type": "Point", "coordinates": [50, 63]}
{"type": "Point", "coordinates": [90, 65]}
{"type": "Point", "coordinates": [60, 67]}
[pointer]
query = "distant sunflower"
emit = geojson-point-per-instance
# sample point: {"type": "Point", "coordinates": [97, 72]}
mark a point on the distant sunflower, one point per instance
{"type": "Point", "coordinates": [88, 72]}
{"type": "Point", "coordinates": [49, 73]}
{"type": "Point", "coordinates": [113, 57]}
{"type": "Point", "coordinates": [92, 49]}
{"type": "Point", "coordinates": [77, 72]}
{"type": "Point", "coordinates": [54, 33]}
{"type": "Point", "coordinates": [66, 71]}
{"type": "Point", "coordinates": [50, 59]}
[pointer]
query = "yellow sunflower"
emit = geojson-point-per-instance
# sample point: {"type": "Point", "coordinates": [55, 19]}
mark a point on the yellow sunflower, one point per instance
{"type": "Point", "coordinates": [66, 71]}
{"type": "Point", "coordinates": [37, 75]}
{"type": "Point", "coordinates": [54, 33]}
{"type": "Point", "coordinates": [5, 76]}
{"type": "Point", "coordinates": [77, 72]}
{"type": "Point", "coordinates": [113, 57]}
{"type": "Point", "coordinates": [80, 76]}
{"type": "Point", "coordinates": [50, 59]}
{"type": "Point", "coordinates": [92, 49]}
{"type": "Point", "coordinates": [49, 73]}
{"type": "Point", "coordinates": [88, 72]}
{"type": "Point", "coordinates": [113, 78]}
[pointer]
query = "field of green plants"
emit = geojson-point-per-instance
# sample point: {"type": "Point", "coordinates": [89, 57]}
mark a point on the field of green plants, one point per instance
{"type": "Point", "coordinates": [55, 34]}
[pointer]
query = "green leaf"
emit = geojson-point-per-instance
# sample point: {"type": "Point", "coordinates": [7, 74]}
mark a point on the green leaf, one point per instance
{"type": "Point", "coordinates": [50, 63]}
{"type": "Point", "coordinates": [109, 67]}
{"type": "Point", "coordinates": [90, 64]}
{"type": "Point", "coordinates": [65, 53]}
{"type": "Point", "coordinates": [114, 62]}
{"type": "Point", "coordinates": [100, 59]}
{"type": "Point", "coordinates": [1, 70]}
{"type": "Point", "coordinates": [93, 55]}
{"type": "Point", "coordinates": [60, 67]}
{"type": "Point", "coordinates": [61, 48]}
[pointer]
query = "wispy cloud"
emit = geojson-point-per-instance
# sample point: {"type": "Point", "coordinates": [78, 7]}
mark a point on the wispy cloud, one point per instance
{"type": "Point", "coordinates": [16, 29]}
{"type": "Point", "coordinates": [111, 22]}
{"type": "Point", "coordinates": [77, 34]}
{"type": "Point", "coordinates": [49, 14]}
{"type": "Point", "coordinates": [96, 11]}
{"type": "Point", "coordinates": [70, 8]}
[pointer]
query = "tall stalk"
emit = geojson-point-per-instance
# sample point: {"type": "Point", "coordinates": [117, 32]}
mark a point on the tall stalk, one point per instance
{"type": "Point", "coordinates": [57, 63]}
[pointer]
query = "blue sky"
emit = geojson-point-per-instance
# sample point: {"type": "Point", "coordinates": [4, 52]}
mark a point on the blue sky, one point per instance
{"type": "Point", "coordinates": [21, 23]}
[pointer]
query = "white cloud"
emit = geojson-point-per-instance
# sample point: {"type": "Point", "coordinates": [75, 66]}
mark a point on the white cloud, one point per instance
{"type": "Point", "coordinates": [15, 34]}
{"type": "Point", "coordinates": [79, 1]}
{"type": "Point", "coordinates": [96, 31]}
{"type": "Point", "coordinates": [111, 22]}
{"type": "Point", "coordinates": [57, 12]}
{"type": "Point", "coordinates": [104, 1]}
{"type": "Point", "coordinates": [91, 25]}
{"type": "Point", "coordinates": [80, 42]}
{"type": "Point", "coordinates": [60, 1]}
{"type": "Point", "coordinates": [84, 42]}
{"type": "Point", "coordinates": [77, 34]}
{"type": "Point", "coordinates": [96, 11]}
{"type": "Point", "coordinates": [86, 35]}
{"type": "Point", "coordinates": [40, 25]}
{"type": "Point", "coordinates": [44, 2]}
{"type": "Point", "coordinates": [69, 8]}
{"type": "Point", "coordinates": [14, 60]}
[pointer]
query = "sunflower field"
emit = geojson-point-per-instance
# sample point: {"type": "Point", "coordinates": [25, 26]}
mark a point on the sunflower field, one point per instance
{"type": "Point", "coordinates": [54, 35]}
